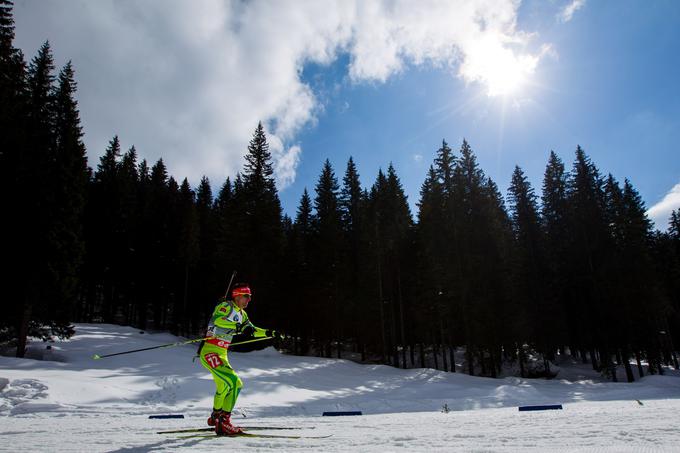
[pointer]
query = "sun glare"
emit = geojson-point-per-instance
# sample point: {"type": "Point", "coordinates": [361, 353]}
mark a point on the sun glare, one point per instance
{"type": "Point", "coordinates": [502, 71]}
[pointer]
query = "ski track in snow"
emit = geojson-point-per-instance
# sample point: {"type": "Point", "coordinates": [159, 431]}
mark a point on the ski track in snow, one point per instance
{"type": "Point", "coordinates": [78, 404]}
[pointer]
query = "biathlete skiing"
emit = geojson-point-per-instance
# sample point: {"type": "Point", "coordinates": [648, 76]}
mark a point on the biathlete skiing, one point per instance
{"type": "Point", "coordinates": [228, 319]}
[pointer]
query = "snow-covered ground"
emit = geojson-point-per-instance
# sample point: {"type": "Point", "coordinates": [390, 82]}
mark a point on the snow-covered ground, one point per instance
{"type": "Point", "coordinates": [69, 402]}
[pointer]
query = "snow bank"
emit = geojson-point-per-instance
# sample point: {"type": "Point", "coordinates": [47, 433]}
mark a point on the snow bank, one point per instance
{"type": "Point", "coordinates": [123, 390]}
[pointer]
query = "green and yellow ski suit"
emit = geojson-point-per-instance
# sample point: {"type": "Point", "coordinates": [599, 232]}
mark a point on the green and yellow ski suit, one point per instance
{"type": "Point", "coordinates": [227, 320]}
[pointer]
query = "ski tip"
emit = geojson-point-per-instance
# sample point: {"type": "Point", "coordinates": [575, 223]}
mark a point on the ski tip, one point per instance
{"type": "Point", "coordinates": [96, 357]}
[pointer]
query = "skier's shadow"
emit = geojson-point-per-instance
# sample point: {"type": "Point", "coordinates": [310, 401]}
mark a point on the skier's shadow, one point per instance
{"type": "Point", "coordinates": [162, 445]}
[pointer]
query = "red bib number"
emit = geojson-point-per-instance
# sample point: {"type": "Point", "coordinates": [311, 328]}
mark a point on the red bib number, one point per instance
{"type": "Point", "coordinates": [213, 360]}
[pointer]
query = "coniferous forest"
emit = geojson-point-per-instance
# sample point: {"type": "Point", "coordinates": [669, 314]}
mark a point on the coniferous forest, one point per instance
{"type": "Point", "coordinates": [573, 267]}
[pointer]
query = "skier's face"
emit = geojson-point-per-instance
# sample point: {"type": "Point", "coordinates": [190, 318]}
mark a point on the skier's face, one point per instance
{"type": "Point", "coordinates": [242, 301]}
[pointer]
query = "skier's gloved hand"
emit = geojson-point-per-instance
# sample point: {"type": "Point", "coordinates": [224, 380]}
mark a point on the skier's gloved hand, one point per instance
{"type": "Point", "coordinates": [274, 334]}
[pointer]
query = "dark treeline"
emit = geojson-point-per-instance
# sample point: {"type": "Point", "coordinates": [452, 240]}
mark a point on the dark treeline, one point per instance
{"type": "Point", "coordinates": [575, 271]}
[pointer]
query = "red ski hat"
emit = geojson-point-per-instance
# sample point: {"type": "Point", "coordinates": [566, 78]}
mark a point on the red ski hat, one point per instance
{"type": "Point", "coordinates": [241, 290]}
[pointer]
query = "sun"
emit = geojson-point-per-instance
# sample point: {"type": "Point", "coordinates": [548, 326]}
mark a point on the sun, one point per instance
{"type": "Point", "coordinates": [497, 66]}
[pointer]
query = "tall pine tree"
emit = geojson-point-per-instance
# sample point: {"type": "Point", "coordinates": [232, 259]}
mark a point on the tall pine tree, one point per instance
{"type": "Point", "coordinates": [328, 235]}
{"type": "Point", "coordinates": [258, 213]}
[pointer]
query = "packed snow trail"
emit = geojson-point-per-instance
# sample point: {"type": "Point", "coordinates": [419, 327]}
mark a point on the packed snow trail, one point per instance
{"type": "Point", "coordinates": [67, 402]}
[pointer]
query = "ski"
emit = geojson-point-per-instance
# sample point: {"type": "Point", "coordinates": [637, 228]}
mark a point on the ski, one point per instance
{"type": "Point", "coordinates": [252, 435]}
{"type": "Point", "coordinates": [247, 428]}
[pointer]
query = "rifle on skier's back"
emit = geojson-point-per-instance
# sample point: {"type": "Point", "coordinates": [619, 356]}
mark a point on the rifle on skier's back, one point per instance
{"type": "Point", "coordinates": [207, 332]}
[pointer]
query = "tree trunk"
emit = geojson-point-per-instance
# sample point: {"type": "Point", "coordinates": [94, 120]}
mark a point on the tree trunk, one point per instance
{"type": "Point", "coordinates": [650, 364]}
{"type": "Point", "coordinates": [436, 359]}
{"type": "Point", "coordinates": [482, 362]}
{"type": "Point", "coordinates": [382, 312]}
{"type": "Point", "coordinates": [492, 363]}
{"type": "Point", "coordinates": [413, 359]}
{"type": "Point", "coordinates": [401, 316]}
{"type": "Point", "coordinates": [593, 360]}
{"type": "Point", "coordinates": [453, 357]}
{"type": "Point", "coordinates": [444, 358]}
{"type": "Point", "coordinates": [623, 357]}
{"type": "Point", "coordinates": [422, 355]}
{"type": "Point", "coordinates": [639, 364]}
{"type": "Point", "coordinates": [22, 328]}
{"type": "Point", "coordinates": [470, 361]}
{"type": "Point", "coordinates": [607, 364]}
{"type": "Point", "coordinates": [184, 299]}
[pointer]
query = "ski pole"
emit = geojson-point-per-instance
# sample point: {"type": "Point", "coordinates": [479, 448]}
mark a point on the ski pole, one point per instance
{"type": "Point", "coordinates": [170, 345]}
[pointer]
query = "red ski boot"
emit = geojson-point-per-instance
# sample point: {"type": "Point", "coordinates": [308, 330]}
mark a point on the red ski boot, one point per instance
{"type": "Point", "coordinates": [214, 417]}
{"type": "Point", "coordinates": [224, 426]}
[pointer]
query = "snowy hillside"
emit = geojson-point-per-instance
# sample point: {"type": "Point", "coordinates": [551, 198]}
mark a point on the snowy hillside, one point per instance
{"type": "Point", "coordinates": [67, 402]}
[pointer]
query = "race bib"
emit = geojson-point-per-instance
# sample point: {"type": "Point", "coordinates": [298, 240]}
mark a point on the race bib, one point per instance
{"type": "Point", "coordinates": [213, 360]}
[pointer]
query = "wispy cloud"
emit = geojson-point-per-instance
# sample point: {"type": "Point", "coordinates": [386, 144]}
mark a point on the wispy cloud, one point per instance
{"type": "Point", "coordinates": [190, 80]}
{"type": "Point", "coordinates": [661, 211]}
{"type": "Point", "coordinates": [566, 13]}
{"type": "Point", "coordinates": [418, 158]}
{"type": "Point", "coordinates": [286, 161]}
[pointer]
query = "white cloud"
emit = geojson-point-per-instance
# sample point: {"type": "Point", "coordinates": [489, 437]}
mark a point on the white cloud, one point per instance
{"type": "Point", "coordinates": [286, 161]}
{"type": "Point", "coordinates": [660, 213]}
{"type": "Point", "coordinates": [566, 13]}
{"type": "Point", "coordinates": [189, 81]}
{"type": "Point", "coordinates": [418, 158]}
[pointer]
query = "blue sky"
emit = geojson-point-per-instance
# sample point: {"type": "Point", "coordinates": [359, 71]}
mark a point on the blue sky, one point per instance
{"type": "Point", "coordinates": [612, 87]}
{"type": "Point", "coordinates": [380, 80]}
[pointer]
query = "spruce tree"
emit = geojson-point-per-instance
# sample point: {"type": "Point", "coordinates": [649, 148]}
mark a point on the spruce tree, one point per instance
{"type": "Point", "coordinates": [304, 218]}
{"type": "Point", "coordinates": [225, 219]}
{"type": "Point", "coordinates": [188, 255]}
{"type": "Point", "coordinates": [389, 222]}
{"type": "Point", "coordinates": [258, 213]}
{"type": "Point", "coordinates": [350, 200]}
{"type": "Point", "coordinates": [445, 163]}
{"type": "Point", "coordinates": [328, 235]}
{"type": "Point", "coordinates": [7, 49]}
{"type": "Point", "coordinates": [35, 229]}
{"type": "Point", "coordinates": [105, 229]}
{"type": "Point", "coordinates": [158, 224]}
{"type": "Point", "coordinates": [589, 248]}
{"type": "Point", "coordinates": [535, 304]}
{"type": "Point", "coordinates": [468, 224]}
{"type": "Point", "coordinates": [667, 261]}
{"type": "Point", "coordinates": [674, 224]}
{"type": "Point", "coordinates": [301, 276]}
{"type": "Point", "coordinates": [13, 99]}
{"type": "Point", "coordinates": [14, 171]}
{"type": "Point", "coordinates": [216, 247]}
{"type": "Point", "coordinates": [69, 185]}
{"type": "Point", "coordinates": [352, 206]}
{"type": "Point", "coordinates": [402, 221]}
{"type": "Point", "coordinates": [433, 247]}
{"type": "Point", "coordinates": [554, 218]}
